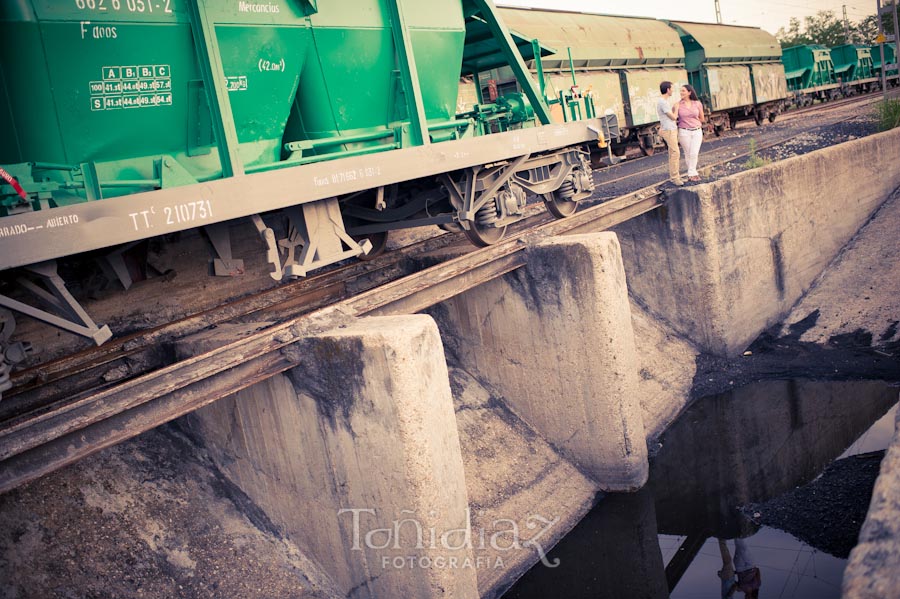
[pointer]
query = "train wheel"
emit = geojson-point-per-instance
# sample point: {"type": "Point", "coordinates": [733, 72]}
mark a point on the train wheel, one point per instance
{"type": "Point", "coordinates": [732, 123]}
{"type": "Point", "coordinates": [758, 118]}
{"type": "Point", "coordinates": [483, 236]}
{"type": "Point", "coordinates": [772, 116]}
{"type": "Point", "coordinates": [379, 244]}
{"type": "Point", "coordinates": [481, 231]}
{"type": "Point", "coordinates": [646, 144]}
{"type": "Point", "coordinates": [718, 129]}
{"type": "Point", "coordinates": [560, 203]}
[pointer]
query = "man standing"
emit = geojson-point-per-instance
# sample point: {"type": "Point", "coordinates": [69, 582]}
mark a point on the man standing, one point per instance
{"type": "Point", "coordinates": [668, 129]}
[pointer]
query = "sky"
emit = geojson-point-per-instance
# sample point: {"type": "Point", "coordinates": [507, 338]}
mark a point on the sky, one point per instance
{"type": "Point", "coordinates": [767, 14]}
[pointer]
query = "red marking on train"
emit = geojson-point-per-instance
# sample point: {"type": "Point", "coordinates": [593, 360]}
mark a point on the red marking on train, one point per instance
{"type": "Point", "coordinates": [15, 184]}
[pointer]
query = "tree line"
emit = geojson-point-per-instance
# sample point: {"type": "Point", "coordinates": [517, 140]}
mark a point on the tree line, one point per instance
{"type": "Point", "coordinates": [827, 29]}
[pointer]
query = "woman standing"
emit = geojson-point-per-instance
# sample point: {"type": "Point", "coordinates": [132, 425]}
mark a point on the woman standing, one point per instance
{"type": "Point", "coordinates": [690, 128]}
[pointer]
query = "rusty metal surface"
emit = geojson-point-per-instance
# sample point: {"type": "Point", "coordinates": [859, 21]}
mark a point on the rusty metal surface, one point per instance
{"type": "Point", "coordinates": [596, 41]}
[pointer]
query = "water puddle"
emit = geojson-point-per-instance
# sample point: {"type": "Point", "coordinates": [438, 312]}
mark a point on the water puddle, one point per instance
{"type": "Point", "coordinates": [683, 535]}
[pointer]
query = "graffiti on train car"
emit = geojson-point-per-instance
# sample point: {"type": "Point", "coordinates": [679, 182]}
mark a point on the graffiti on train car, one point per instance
{"type": "Point", "coordinates": [729, 87]}
{"type": "Point", "coordinates": [643, 91]}
{"type": "Point", "coordinates": [468, 95]}
{"type": "Point", "coordinates": [602, 86]}
{"type": "Point", "coordinates": [769, 82]}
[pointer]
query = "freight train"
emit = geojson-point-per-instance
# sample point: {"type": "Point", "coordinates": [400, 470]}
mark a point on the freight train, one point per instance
{"type": "Point", "coordinates": [815, 72]}
{"type": "Point", "coordinates": [737, 71]}
{"type": "Point", "coordinates": [327, 124]}
{"type": "Point", "coordinates": [740, 73]}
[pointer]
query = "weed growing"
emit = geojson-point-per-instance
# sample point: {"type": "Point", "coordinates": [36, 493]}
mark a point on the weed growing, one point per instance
{"type": "Point", "coordinates": [888, 114]}
{"type": "Point", "coordinates": [755, 160]}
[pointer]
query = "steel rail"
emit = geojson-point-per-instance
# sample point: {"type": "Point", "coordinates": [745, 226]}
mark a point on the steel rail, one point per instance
{"type": "Point", "coordinates": [40, 442]}
{"type": "Point", "coordinates": [141, 351]}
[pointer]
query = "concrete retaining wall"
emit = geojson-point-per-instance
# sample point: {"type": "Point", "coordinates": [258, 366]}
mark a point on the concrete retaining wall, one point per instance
{"type": "Point", "coordinates": [523, 496]}
{"type": "Point", "coordinates": [723, 261]}
{"type": "Point", "coordinates": [355, 456]}
{"type": "Point", "coordinates": [554, 340]}
{"type": "Point", "coordinates": [356, 452]}
{"type": "Point", "coordinates": [873, 570]}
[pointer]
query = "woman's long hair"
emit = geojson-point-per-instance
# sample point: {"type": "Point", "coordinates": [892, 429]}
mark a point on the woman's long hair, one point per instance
{"type": "Point", "coordinates": [693, 94]}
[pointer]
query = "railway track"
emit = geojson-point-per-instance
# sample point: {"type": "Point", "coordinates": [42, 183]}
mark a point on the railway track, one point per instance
{"type": "Point", "coordinates": [662, 169]}
{"type": "Point", "coordinates": [870, 96]}
{"type": "Point", "coordinates": [63, 410]}
{"type": "Point", "coordinates": [68, 409]}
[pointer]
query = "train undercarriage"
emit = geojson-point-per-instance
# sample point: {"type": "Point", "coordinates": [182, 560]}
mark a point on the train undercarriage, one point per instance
{"type": "Point", "coordinates": [360, 201]}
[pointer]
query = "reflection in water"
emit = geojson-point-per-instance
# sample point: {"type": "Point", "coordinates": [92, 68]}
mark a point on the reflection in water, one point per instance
{"type": "Point", "coordinates": [683, 536]}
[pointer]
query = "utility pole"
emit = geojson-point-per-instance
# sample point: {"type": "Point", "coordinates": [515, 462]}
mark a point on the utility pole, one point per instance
{"type": "Point", "coordinates": [896, 39]}
{"type": "Point", "coordinates": [881, 40]}
{"type": "Point", "coordinates": [718, 13]}
{"type": "Point", "coordinates": [885, 8]}
{"type": "Point", "coordinates": [847, 39]}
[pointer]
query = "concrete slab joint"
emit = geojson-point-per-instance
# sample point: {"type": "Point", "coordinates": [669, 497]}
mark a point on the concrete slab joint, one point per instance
{"type": "Point", "coordinates": [555, 341]}
{"type": "Point", "coordinates": [355, 455]}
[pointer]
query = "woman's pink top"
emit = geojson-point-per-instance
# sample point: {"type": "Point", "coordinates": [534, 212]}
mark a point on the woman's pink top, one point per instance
{"type": "Point", "coordinates": [689, 114]}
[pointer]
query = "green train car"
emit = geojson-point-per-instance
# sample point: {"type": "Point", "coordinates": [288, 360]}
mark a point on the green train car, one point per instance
{"type": "Point", "coordinates": [737, 71]}
{"type": "Point", "coordinates": [131, 119]}
{"type": "Point", "coordinates": [815, 72]}
{"type": "Point", "coordinates": [853, 64]}
{"type": "Point", "coordinates": [890, 58]}
{"type": "Point", "coordinates": [809, 67]}
{"type": "Point", "coordinates": [618, 61]}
